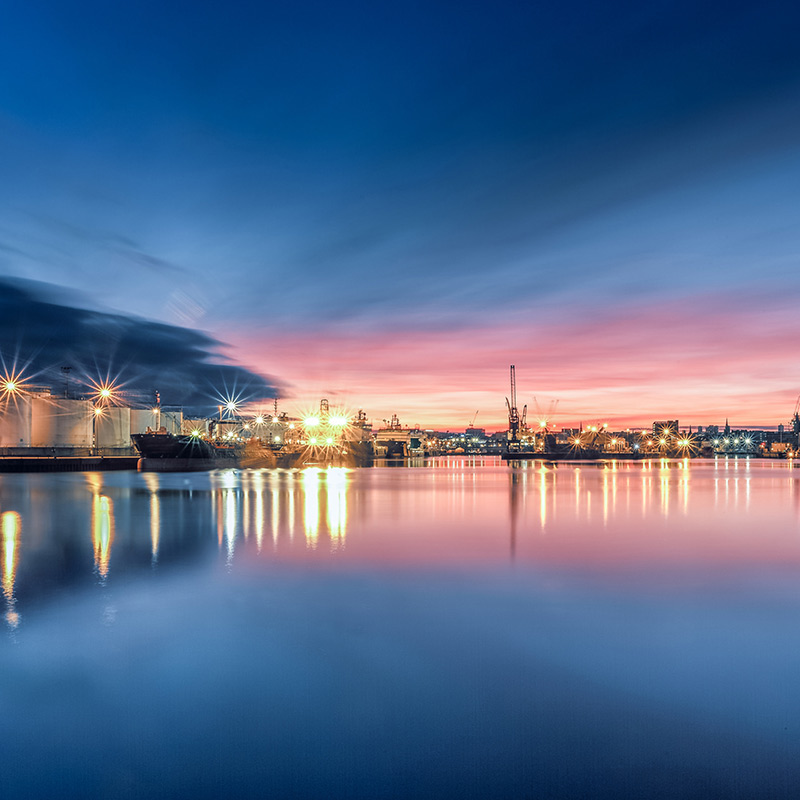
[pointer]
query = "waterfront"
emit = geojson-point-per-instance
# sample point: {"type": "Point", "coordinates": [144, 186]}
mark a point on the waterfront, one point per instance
{"type": "Point", "coordinates": [458, 628]}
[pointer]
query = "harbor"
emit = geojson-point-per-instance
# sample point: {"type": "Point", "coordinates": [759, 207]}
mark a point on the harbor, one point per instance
{"type": "Point", "coordinates": [44, 430]}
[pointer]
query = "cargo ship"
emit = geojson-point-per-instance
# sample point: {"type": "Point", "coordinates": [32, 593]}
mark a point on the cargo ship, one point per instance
{"type": "Point", "coordinates": [161, 451]}
{"type": "Point", "coordinates": [284, 445]}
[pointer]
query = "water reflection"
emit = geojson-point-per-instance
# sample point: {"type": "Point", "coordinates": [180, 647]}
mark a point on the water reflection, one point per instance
{"type": "Point", "coordinates": [10, 523]}
{"type": "Point", "coordinates": [151, 481]}
{"type": "Point", "coordinates": [337, 505]}
{"type": "Point", "coordinates": [312, 499]}
{"type": "Point", "coordinates": [102, 525]}
{"type": "Point", "coordinates": [325, 505]}
{"type": "Point", "coordinates": [654, 602]}
{"type": "Point", "coordinates": [449, 513]}
{"type": "Point", "coordinates": [311, 492]}
{"type": "Point", "coordinates": [102, 532]}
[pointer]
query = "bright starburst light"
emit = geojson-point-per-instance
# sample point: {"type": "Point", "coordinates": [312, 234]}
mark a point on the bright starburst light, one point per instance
{"type": "Point", "coordinates": [105, 391]}
{"type": "Point", "coordinates": [12, 385]}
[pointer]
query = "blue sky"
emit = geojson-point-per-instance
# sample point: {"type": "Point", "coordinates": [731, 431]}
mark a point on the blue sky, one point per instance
{"type": "Point", "coordinates": [274, 173]}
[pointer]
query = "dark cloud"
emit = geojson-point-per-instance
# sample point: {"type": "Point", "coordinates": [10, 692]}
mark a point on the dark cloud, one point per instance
{"type": "Point", "coordinates": [41, 332]}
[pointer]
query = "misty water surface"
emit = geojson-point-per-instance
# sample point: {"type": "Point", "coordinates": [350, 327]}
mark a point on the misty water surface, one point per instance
{"type": "Point", "coordinates": [460, 628]}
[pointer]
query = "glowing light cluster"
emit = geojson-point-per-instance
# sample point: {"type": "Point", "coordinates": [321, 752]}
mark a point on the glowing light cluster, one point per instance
{"type": "Point", "coordinates": [105, 391]}
{"type": "Point", "coordinates": [12, 385]}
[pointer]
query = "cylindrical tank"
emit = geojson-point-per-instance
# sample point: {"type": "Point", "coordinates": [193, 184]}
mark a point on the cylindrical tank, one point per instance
{"type": "Point", "coordinates": [72, 424]}
{"type": "Point", "coordinates": [113, 428]}
{"type": "Point", "coordinates": [15, 421]}
{"type": "Point", "coordinates": [44, 411]}
{"type": "Point", "coordinates": [142, 419]}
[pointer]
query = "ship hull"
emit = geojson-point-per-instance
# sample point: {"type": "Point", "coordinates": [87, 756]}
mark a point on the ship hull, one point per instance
{"type": "Point", "coordinates": [158, 446]}
{"type": "Point", "coordinates": [163, 452]}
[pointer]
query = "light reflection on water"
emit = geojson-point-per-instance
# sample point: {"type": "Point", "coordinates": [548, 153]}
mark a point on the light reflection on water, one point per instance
{"type": "Point", "coordinates": [464, 627]}
{"type": "Point", "coordinates": [10, 526]}
{"type": "Point", "coordinates": [451, 514]}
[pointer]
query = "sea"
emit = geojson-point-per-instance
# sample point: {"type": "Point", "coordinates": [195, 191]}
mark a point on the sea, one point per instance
{"type": "Point", "coordinates": [451, 627]}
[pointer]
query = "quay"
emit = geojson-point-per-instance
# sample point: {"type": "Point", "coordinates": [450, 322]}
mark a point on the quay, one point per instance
{"type": "Point", "coordinates": [64, 459]}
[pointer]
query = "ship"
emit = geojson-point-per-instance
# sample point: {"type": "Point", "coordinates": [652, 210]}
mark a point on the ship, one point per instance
{"type": "Point", "coordinates": [161, 451]}
{"type": "Point", "coordinates": [276, 443]}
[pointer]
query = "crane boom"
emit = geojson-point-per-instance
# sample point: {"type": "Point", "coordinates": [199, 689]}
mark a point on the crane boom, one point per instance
{"type": "Point", "coordinates": [513, 414]}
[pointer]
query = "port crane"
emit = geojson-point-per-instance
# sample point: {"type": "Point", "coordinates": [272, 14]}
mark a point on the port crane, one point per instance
{"type": "Point", "coordinates": [796, 417]}
{"type": "Point", "coordinates": [515, 421]}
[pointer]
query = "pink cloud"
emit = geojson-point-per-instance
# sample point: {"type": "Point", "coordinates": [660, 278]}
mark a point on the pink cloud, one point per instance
{"type": "Point", "coordinates": [700, 361]}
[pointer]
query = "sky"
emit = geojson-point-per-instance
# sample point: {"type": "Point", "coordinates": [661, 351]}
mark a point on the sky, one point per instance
{"type": "Point", "coordinates": [386, 205]}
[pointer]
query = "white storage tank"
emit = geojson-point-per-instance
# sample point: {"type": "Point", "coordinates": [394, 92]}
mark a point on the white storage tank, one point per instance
{"type": "Point", "coordinates": [44, 410]}
{"type": "Point", "coordinates": [15, 421]}
{"type": "Point", "coordinates": [142, 419]}
{"type": "Point", "coordinates": [112, 428]}
{"type": "Point", "coordinates": [72, 423]}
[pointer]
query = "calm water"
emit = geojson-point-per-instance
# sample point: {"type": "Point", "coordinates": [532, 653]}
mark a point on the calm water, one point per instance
{"type": "Point", "coordinates": [463, 628]}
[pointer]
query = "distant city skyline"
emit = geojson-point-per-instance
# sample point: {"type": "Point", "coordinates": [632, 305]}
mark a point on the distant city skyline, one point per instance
{"type": "Point", "coordinates": [387, 206]}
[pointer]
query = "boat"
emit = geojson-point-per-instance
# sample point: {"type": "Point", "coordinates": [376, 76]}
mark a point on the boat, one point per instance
{"type": "Point", "coordinates": [162, 451]}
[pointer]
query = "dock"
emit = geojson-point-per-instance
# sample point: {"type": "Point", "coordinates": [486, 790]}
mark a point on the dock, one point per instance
{"type": "Point", "coordinates": [65, 459]}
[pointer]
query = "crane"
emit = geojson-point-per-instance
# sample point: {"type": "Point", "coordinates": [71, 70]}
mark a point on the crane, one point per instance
{"type": "Point", "coordinates": [514, 421]}
{"type": "Point", "coordinates": [472, 422]}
